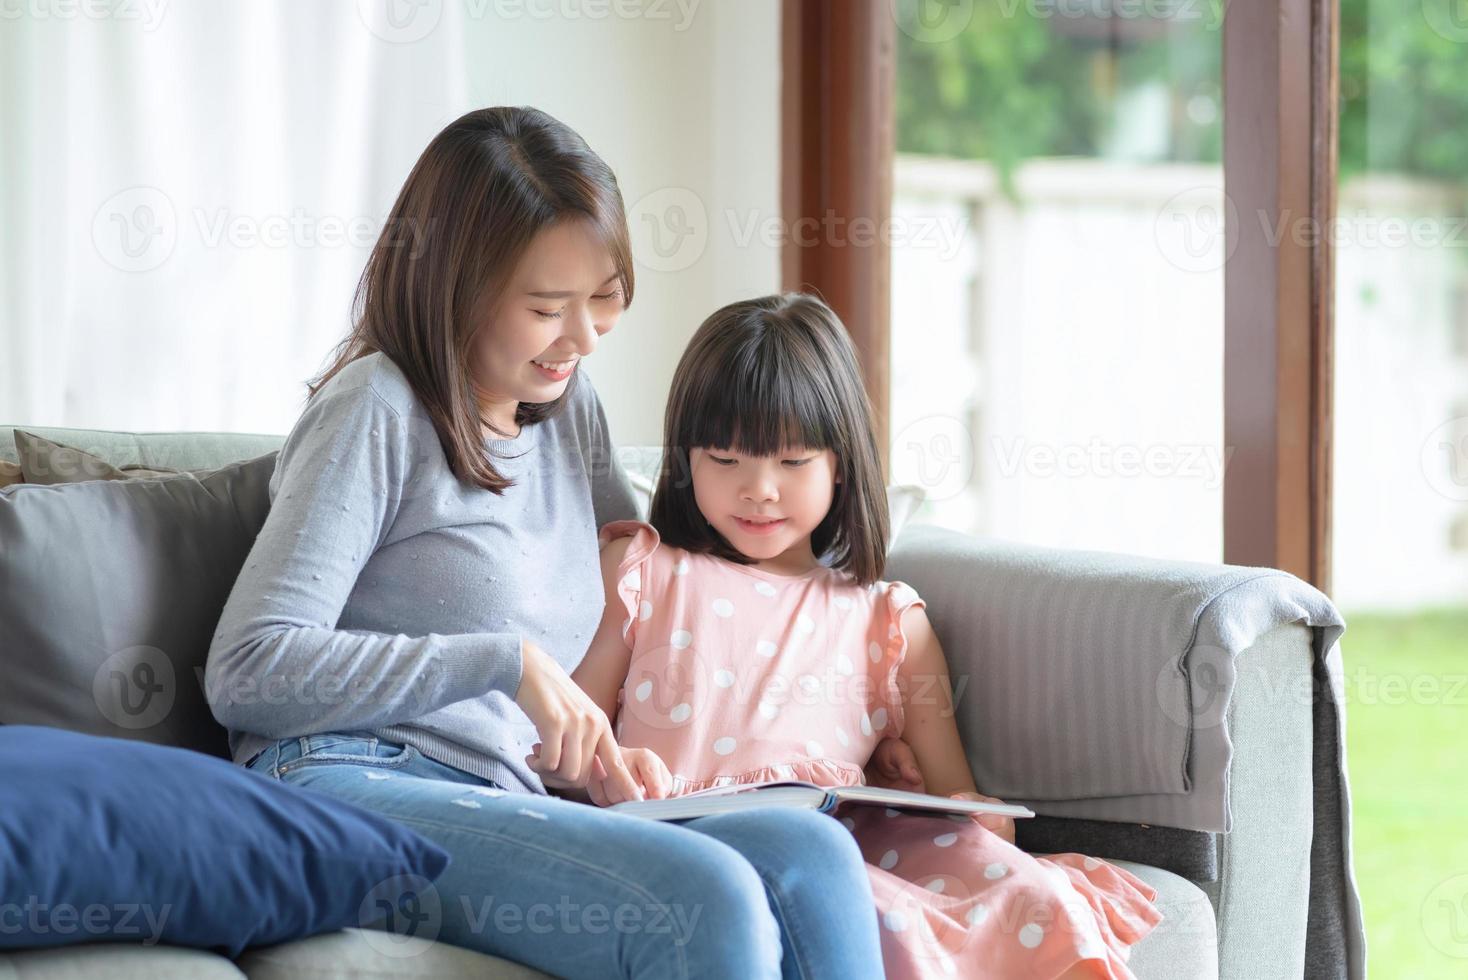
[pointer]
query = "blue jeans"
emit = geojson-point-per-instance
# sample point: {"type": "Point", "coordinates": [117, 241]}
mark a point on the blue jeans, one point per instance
{"type": "Point", "coordinates": [578, 891]}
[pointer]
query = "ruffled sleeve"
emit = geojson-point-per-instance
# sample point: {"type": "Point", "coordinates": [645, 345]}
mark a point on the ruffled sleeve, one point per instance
{"type": "Point", "coordinates": [887, 650]}
{"type": "Point", "coordinates": [633, 571]}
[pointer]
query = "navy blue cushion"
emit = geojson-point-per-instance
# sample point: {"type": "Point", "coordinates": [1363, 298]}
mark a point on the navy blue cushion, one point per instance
{"type": "Point", "coordinates": [108, 839]}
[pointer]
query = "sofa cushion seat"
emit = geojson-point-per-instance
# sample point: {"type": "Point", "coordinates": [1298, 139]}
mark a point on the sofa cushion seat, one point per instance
{"type": "Point", "coordinates": [117, 961]}
{"type": "Point", "coordinates": [350, 954]}
{"type": "Point", "coordinates": [1185, 942]}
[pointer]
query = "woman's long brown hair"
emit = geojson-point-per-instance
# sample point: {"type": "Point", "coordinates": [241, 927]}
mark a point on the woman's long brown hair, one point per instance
{"type": "Point", "coordinates": [482, 190]}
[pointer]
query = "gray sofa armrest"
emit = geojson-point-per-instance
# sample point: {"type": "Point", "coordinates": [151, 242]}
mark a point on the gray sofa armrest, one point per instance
{"type": "Point", "coordinates": [1095, 685]}
{"type": "Point", "coordinates": [1261, 898]}
{"type": "Point", "coordinates": [1033, 636]}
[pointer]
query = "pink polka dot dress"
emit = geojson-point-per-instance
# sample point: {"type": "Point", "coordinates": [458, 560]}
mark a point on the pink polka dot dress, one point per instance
{"type": "Point", "coordinates": [739, 675]}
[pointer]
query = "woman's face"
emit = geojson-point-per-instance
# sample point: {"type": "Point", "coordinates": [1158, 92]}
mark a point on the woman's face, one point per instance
{"type": "Point", "coordinates": [564, 294]}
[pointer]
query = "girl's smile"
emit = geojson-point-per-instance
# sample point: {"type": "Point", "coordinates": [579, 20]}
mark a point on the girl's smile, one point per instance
{"type": "Point", "coordinates": [739, 494]}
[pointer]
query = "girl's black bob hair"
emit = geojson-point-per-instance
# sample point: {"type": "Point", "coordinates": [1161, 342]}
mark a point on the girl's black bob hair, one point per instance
{"type": "Point", "coordinates": [764, 376]}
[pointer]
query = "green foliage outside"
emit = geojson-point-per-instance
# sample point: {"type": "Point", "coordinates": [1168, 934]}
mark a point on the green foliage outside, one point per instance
{"type": "Point", "coordinates": [1014, 85]}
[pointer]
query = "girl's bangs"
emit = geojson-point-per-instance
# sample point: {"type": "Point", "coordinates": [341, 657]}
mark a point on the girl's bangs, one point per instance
{"type": "Point", "coordinates": [760, 409]}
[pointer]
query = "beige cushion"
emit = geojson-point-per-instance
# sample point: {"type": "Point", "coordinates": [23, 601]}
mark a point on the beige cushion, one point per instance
{"type": "Point", "coordinates": [116, 961]}
{"type": "Point", "coordinates": [50, 463]}
{"type": "Point", "coordinates": [360, 953]}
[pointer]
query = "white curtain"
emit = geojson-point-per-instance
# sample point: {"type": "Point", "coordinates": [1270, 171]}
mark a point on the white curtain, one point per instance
{"type": "Point", "coordinates": [189, 188]}
{"type": "Point", "coordinates": [189, 193]}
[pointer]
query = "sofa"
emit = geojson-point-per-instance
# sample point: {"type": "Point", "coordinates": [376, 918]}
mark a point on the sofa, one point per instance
{"type": "Point", "coordinates": [1235, 904]}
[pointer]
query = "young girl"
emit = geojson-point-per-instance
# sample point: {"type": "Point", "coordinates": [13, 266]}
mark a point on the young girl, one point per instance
{"type": "Point", "coordinates": [748, 637]}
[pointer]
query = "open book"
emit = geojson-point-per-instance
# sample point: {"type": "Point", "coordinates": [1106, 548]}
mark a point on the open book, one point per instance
{"type": "Point", "coordinates": [799, 793]}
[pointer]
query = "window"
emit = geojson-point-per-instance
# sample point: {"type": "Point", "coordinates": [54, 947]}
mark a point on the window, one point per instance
{"type": "Point", "coordinates": [1057, 274]}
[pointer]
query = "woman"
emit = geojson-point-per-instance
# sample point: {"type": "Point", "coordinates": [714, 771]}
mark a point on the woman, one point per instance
{"type": "Point", "coordinates": [402, 632]}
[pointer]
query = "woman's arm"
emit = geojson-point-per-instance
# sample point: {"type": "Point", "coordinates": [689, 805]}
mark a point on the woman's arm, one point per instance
{"type": "Point", "coordinates": [278, 666]}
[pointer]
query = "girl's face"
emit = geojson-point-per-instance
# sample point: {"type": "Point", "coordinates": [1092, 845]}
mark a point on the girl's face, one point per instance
{"type": "Point", "coordinates": [564, 295]}
{"type": "Point", "coordinates": [766, 506]}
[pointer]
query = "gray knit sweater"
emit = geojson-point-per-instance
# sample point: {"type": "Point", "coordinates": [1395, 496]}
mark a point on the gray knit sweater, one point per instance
{"type": "Point", "coordinates": [383, 595]}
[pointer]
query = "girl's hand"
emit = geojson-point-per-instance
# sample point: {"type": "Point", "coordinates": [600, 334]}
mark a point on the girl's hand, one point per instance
{"type": "Point", "coordinates": [576, 740]}
{"type": "Point", "coordinates": [649, 772]}
{"type": "Point", "coordinates": [996, 822]}
{"type": "Point", "coordinates": [894, 766]}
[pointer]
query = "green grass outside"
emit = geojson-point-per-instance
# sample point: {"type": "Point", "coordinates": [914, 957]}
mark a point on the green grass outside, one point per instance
{"type": "Point", "coordinates": [1407, 742]}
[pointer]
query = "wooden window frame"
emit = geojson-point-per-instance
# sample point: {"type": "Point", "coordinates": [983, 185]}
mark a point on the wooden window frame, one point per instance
{"type": "Point", "coordinates": [837, 134]}
{"type": "Point", "coordinates": [1280, 115]}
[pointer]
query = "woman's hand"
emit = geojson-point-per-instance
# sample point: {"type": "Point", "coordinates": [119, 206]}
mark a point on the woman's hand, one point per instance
{"type": "Point", "coordinates": [997, 822]}
{"type": "Point", "coordinates": [649, 772]}
{"type": "Point", "coordinates": [576, 742]}
{"type": "Point", "coordinates": [894, 766]}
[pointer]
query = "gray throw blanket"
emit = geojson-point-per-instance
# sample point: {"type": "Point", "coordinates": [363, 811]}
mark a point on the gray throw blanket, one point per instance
{"type": "Point", "coordinates": [1098, 687]}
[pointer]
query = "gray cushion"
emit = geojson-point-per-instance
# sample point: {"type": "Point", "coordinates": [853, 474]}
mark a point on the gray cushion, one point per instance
{"type": "Point", "coordinates": [357, 953]}
{"type": "Point", "coordinates": [157, 450]}
{"type": "Point", "coordinates": [109, 592]}
{"type": "Point", "coordinates": [117, 961]}
{"type": "Point", "coordinates": [1185, 942]}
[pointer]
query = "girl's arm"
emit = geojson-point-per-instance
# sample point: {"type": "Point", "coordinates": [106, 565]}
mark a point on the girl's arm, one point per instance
{"type": "Point", "coordinates": [930, 728]}
{"type": "Point", "coordinates": [928, 707]}
{"type": "Point", "coordinates": [604, 668]}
